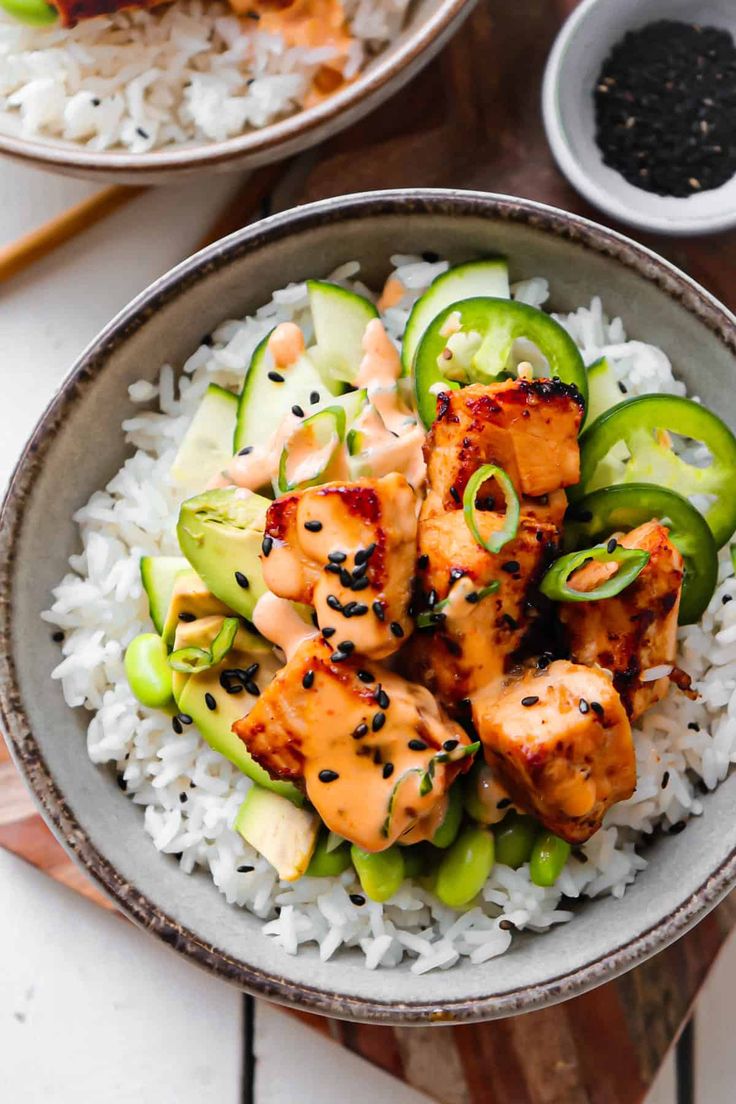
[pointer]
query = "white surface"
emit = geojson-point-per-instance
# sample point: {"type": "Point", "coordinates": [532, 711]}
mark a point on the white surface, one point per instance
{"type": "Point", "coordinates": [82, 993]}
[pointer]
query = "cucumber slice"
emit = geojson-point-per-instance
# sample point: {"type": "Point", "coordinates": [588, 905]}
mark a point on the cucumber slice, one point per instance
{"type": "Point", "coordinates": [207, 445]}
{"type": "Point", "coordinates": [603, 389]}
{"type": "Point", "coordinates": [340, 318]}
{"type": "Point", "coordinates": [158, 575]}
{"type": "Point", "coordinates": [265, 402]}
{"type": "Point", "coordinates": [464, 281]}
{"type": "Point", "coordinates": [320, 437]}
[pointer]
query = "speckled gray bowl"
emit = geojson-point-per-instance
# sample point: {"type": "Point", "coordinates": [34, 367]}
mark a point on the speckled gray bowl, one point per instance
{"type": "Point", "coordinates": [78, 446]}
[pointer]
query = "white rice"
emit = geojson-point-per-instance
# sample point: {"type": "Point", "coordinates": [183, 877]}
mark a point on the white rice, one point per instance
{"type": "Point", "coordinates": [190, 794]}
{"type": "Point", "coordinates": [183, 73]}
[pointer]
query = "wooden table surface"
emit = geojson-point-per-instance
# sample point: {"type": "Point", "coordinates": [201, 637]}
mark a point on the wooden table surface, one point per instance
{"type": "Point", "coordinates": [473, 120]}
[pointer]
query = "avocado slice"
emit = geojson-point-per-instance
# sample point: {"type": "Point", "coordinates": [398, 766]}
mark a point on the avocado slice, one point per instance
{"type": "Point", "coordinates": [220, 532]}
{"type": "Point", "coordinates": [284, 835]}
{"type": "Point", "coordinates": [190, 601]}
{"type": "Point", "coordinates": [192, 692]}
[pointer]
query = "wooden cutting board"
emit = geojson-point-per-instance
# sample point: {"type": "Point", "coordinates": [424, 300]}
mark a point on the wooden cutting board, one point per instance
{"type": "Point", "coordinates": [472, 120]}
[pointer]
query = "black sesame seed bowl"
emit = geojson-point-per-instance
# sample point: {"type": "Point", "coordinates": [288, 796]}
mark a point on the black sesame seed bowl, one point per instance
{"type": "Point", "coordinates": [639, 105]}
{"type": "Point", "coordinates": [79, 435]}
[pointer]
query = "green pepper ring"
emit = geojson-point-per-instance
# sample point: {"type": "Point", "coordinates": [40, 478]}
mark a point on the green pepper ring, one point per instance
{"type": "Point", "coordinates": [623, 507]}
{"type": "Point", "coordinates": [679, 415]}
{"type": "Point", "coordinates": [34, 13]}
{"type": "Point", "coordinates": [504, 320]}
{"type": "Point", "coordinates": [337, 414]}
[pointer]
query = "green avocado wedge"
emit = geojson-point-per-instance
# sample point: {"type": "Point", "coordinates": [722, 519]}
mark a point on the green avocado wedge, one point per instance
{"type": "Point", "coordinates": [213, 710]}
{"type": "Point", "coordinates": [220, 532]}
{"type": "Point", "coordinates": [35, 13]}
{"type": "Point", "coordinates": [472, 342]}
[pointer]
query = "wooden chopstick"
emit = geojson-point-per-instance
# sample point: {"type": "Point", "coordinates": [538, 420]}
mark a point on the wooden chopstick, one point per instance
{"type": "Point", "coordinates": [38, 243]}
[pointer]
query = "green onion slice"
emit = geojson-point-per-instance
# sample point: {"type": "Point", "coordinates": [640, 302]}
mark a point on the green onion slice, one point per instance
{"type": "Point", "coordinates": [427, 619]}
{"type": "Point", "coordinates": [510, 527]}
{"type": "Point", "coordinates": [191, 661]}
{"type": "Point", "coordinates": [631, 562]}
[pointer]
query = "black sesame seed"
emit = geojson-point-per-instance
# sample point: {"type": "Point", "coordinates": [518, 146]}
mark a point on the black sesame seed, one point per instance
{"type": "Point", "coordinates": [694, 727]}
{"type": "Point", "coordinates": [503, 803]}
{"type": "Point", "coordinates": [297, 411]}
{"type": "Point", "coordinates": [473, 597]}
{"type": "Point", "coordinates": [187, 617]}
{"type": "Point", "coordinates": [142, 133]}
{"type": "Point", "coordinates": [122, 784]}
{"type": "Point", "coordinates": [510, 622]}
{"type": "Point", "coordinates": [314, 397]}
{"type": "Point", "coordinates": [360, 570]}
{"type": "Point", "coordinates": [328, 776]}
{"type": "Point", "coordinates": [360, 584]}
{"type": "Point", "coordinates": [379, 720]}
{"type": "Point", "coordinates": [450, 745]}
{"type": "Point", "coordinates": [623, 388]}
{"type": "Point", "coordinates": [176, 725]}
{"type": "Point", "coordinates": [665, 779]}
{"type": "Point", "coordinates": [333, 602]}
{"type": "Point", "coordinates": [333, 568]}
{"type": "Point", "coordinates": [512, 566]}
{"type": "Point", "coordinates": [382, 699]}
{"type": "Point", "coordinates": [245, 869]}
{"type": "Point", "coordinates": [366, 676]}
{"type": "Point", "coordinates": [57, 637]}
{"type": "Point", "coordinates": [423, 562]}
{"type": "Point", "coordinates": [388, 770]}
{"type": "Point", "coordinates": [210, 701]}
{"type": "Point", "coordinates": [348, 609]}
{"type": "Point", "coordinates": [359, 609]}
{"type": "Point", "coordinates": [677, 828]}
{"type": "Point", "coordinates": [346, 578]}
{"type": "Point", "coordinates": [379, 610]}
{"type": "Point", "coordinates": [396, 629]}
{"type": "Point", "coordinates": [252, 689]}
{"type": "Point", "coordinates": [276, 377]}
{"type": "Point", "coordinates": [96, 101]}
{"type": "Point", "coordinates": [583, 706]}
{"type": "Point", "coordinates": [339, 656]}
{"type": "Point", "coordinates": [726, 599]}
{"type": "Point", "coordinates": [417, 745]}
{"type": "Point", "coordinates": [357, 899]}
{"type": "Point", "coordinates": [360, 731]}
{"type": "Point", "coordinates": [455, 494]}
{"type": "Point", "coordinates": [328, 631]}
{"type": "Point", "coordinates": [364, 554]}
{"type": "Point", "coordinates": [183, 797]}
{"type": "Point", "coordinates": [336, 557]}
{"type": "Point", "coordinates": [308, 680]}
{"type": "Point", "coordinates": [346, 646]}
{"type": "Point", "coordinates": [184, 718]}
{"type": "Point", "coordinates": [250, 670]}
{"type": "Point", "coordinates": [242, 580]}
{"type": "Point", "coordinates": [506, 925]}
{"type": "Point", "coordinates": [313, 526]}
{"type": "Point", "coordinates": [612, 545]}
{"type": "Point", "coordinates": [597, 708]}
{"type": "Point", "coordinates": [267, 545]}
{"type": "Point", "coordinates": [531, 699]}
{"type": "Point", "coordinates": [246, 451]}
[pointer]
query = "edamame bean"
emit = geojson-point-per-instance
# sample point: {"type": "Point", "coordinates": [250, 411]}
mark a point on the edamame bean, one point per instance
{"type": "Point", "coordinates": [381, 872]}
{"type": "Point", "coordinates": [515, 837]}
{"type": "Point", "coordinates": [327, 864]}
{"type": "Point", "coordinates": [416, 860]}
{"type": "Point", "coordinates": [549, 856]}
{"type": "Point", "coordinates": [465, 867]}
{"type": "Point", "coordinates": [35, 13]}
{"type": "Point", "coordinates": [450, 826]}
{"type": "Point", "coordinates": [148, 671]}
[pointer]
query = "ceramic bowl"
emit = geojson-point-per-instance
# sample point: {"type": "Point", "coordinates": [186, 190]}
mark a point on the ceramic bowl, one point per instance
{"type": "Point", "coordinates": [567, 100]}
{"type": "Point", "coordinates": [78, 446]}
{"type": "Point", "coordinates": [429, 25]}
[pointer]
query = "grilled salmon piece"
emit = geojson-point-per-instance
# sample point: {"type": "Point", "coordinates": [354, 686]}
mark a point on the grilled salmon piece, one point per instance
{"type": "Point", "coordinates": [637, 630]}
{"type": "Point", "coordinates": [360, 748]}
{"type": "Point", "coordinates": [560, 741]}
{"type": "Point", "coordinates": [529, 428]}
{"type": "Point", "coordinates": [471, 644]}
{"type": "Point", "coordinates": [349, 550]}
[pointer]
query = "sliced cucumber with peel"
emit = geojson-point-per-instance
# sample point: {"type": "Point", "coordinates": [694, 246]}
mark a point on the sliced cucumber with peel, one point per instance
{"type": "Point", "coordinates": [158, 575]}
{"type": "Point", "coordinates": [265, 402]}
{"type": "Point", "coordinates": [208, 443]}
{"type": "Point", "coordinates": [603, 389]}
{"type": "Point", "coordinates": [340, 318]}
{"type": "Point", "coordinates": [464, 281]}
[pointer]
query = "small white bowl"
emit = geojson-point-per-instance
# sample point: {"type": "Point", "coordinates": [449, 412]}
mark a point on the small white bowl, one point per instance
{"type": "Point", "coordinates": [573, 67]}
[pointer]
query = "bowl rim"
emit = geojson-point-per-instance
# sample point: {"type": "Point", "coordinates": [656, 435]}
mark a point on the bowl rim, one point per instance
{"type": "Point", "coordinates": [16, 726]}
{"type": "Point", "coordinates": [384, 73]}
{"type": "Point", "coordinates": [575, 169]}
